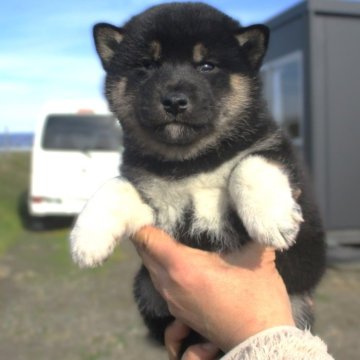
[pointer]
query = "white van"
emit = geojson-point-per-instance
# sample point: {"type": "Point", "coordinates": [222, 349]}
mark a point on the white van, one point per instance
{"type": "Point", "coordinates": [77, 146]}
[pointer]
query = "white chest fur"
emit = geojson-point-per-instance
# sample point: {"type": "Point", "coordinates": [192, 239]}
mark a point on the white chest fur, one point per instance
{"type": "Point", "coordinates": [205, 194]}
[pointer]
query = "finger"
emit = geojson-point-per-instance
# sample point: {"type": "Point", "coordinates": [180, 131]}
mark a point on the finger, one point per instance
{"type": "Point", "coordinates": [175, 333]}
{"type": "Point", "coordinates": [206, 351]}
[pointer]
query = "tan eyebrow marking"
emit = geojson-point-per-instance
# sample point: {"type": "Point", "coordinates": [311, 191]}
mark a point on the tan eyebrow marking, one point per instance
{"type": "Point", "coordinates": [199, 53]}
{"type": "Point", "coordinates": [155, 50]}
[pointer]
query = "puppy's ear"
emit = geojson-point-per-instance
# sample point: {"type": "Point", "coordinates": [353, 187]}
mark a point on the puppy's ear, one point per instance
{"type": "Point", "coordinates": [107, 39]}
{"type": "Point", "coordinates": [254, 40]}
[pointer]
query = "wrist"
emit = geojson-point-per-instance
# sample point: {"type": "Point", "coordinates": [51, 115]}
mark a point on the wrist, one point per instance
{"type": "Point", "coordinates": [244, 331]}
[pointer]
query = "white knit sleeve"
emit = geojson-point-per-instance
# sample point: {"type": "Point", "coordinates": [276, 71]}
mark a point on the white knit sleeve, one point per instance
{"type": "Point", "coordinates": [281, 343]}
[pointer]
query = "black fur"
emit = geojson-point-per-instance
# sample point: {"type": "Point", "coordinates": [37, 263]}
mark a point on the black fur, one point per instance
{"type": "Point", "coordinates": [141, 78]}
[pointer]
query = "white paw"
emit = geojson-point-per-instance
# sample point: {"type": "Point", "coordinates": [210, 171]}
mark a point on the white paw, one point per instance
{"type": "Point", "coordinates": [275, 226]}
{"type": "Point", "coordinates": [115, 212]}
{"type": "Point", "coordinates": [264, 200]}
{"type": "Point", "coordinates": [92, 243]}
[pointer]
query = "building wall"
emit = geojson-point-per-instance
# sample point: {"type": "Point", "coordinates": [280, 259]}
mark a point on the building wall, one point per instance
{"type": "Point", "coordinates": [287, 37]}
{"type": "Point", "coordinates": [290, 34]}
{"type": "Point", "coordinates": [336, 117]}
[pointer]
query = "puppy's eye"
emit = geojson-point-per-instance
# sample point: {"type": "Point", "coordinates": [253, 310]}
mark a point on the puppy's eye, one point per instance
{"type": "Point", "coordinates": [149, 64]}
{"type": "Point", "coordinates": [206, 67]}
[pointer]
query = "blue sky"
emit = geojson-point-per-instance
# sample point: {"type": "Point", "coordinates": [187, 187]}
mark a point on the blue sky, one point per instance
{"type": "Point", "coordinates": [47, 53]}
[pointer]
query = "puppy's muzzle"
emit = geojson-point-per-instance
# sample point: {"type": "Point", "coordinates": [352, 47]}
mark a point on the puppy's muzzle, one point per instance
{"type": "Point", "coordinates": [175, 103]}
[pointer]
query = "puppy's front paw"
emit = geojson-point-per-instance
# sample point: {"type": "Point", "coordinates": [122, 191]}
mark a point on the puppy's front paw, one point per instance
{"type": "Point", "coordinates": [116, 211]}
{"type": "Point", "coordinates": [92, 243]}
{"type": "Point", "coordinates": [265, 202]}
{"type": "Point", "coordinates": [276, 225]}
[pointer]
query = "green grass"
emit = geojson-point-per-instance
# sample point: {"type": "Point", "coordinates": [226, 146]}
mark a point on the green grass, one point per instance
{"type": "Point", "coordinates": [14, 180]}
{"type": "Point", "coordinates": [47, 251]}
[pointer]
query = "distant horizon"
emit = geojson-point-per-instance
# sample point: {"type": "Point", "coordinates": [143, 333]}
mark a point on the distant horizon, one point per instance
{"type": "Point", "coordinates": [6, 132]}
{"type": "Point", "coordinates": [16, 141]}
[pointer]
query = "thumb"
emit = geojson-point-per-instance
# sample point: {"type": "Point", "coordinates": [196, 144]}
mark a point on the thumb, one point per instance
{"type": "Point", "coordinates": [151, 242]}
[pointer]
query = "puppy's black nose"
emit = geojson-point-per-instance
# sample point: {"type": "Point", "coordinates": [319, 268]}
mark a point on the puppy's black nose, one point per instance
{"type": "Point", "coordinates": [175, 103]}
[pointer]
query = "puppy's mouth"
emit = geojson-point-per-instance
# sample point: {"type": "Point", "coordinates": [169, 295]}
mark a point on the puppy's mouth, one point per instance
{"type": "Point", "coordinates": [179, 133]}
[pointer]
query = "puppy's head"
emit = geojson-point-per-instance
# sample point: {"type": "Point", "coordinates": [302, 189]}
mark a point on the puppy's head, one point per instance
{"type": "Point", "coordinates": [180, 77]}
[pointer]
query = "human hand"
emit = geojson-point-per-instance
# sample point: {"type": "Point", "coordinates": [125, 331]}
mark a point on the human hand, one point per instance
{"type": "Point", "coordinates": [225, 298]}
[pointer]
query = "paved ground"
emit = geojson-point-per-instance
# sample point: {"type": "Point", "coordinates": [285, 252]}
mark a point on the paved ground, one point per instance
{"type": "Point", "coordinates": [48, 313]}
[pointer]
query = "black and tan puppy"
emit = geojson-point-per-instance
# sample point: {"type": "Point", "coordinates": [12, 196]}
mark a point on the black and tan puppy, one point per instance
{"type": "Point", "coordinates": [203, 160]}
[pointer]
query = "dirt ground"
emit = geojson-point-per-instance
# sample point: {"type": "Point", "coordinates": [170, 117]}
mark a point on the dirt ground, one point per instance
{"type": "Point", "coordinates": [47, 312]}
{"type": "Point", "coordinates": [72, 314]}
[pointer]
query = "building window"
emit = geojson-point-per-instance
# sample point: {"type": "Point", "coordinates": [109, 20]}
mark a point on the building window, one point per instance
{"type": "Point", "coordinates": [283, 91]}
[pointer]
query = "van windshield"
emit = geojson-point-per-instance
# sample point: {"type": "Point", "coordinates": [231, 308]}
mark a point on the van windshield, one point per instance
{"type": "Point", "coordinates": [81, 132]}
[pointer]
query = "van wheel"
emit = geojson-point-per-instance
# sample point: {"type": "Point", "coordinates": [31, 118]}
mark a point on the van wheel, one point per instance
{"type": "Point", "coordinates": [28, 221]}
{"type": "Point", "coordinates": [35, 223]}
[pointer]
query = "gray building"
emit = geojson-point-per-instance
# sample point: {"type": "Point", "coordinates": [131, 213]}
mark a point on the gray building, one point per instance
{"type": "Point", "coordinates": [312, 83]}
